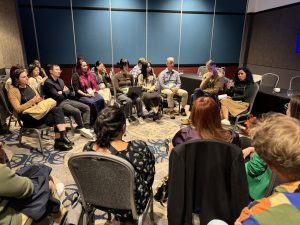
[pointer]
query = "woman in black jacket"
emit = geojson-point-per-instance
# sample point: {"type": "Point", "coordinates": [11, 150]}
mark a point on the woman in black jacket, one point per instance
{"type": "Point", "coordinates": [239, 95]}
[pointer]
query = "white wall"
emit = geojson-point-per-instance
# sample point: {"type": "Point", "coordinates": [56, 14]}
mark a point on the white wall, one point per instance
{"type": "Point", "coordinates": [260, 5]}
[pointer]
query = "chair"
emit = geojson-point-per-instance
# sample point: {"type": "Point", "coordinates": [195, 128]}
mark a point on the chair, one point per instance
{"type": "Point", "coordinates": [269, 79]}
{"type": "Point", "coordinates": [7, 106]}
{"type": "Point", "coordinates": [248, 111]}
{"type": "Point", "coordinates": [105, 181]}
{"type": "Point", "coordinates": [207, 178]}
{"type": "Point", "coordinates": [295, 85]}
{"type": "Point", "coordinates": [201, 71]}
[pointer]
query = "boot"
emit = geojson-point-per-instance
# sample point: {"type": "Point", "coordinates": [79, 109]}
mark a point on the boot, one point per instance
{"type": "Point", "coordinates": [61, 145]}
{"type": "Point", "coordinates": [65, 139]}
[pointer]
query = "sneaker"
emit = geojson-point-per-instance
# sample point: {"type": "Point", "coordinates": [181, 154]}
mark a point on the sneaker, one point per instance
{"type": "Point", "coordinates": [61, 146]}
{"type": "Point", "coordinates": [225, 122]}
{"type": "Point", "coordinates": [127, 122]}
{"type": "Point", "coordinates": [182, 112]}
{"type": "Point", "coordinates": [132, 119]}
{"type": "Point", "coordinates": [185, 121]}
{"type": "Point", "coordinates": [140, 119]}
{"type": "Point", "coordinates": [86, 133]}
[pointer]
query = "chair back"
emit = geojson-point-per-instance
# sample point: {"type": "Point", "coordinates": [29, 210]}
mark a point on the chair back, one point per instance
{"type": "Point", "coordinates": [256, 88]}
{"type": "Point", "coordinates": [295, 85]}
{"type": "Point", "coordinates": [269, 79]}
{"type": "Point", "coordinates": [4, 98]}
{"type": "Point", "coordinates": [207, 178]}
{"type": "Point", "coordinates": [104, 181]}
{"type": "Point", "coordinates": [202, 70]}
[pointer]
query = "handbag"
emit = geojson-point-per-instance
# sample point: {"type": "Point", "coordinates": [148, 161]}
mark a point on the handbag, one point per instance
{"type": "Point", "coordinates": [39, 110]}
{"type": "Point", "coordinates": [161, 194]}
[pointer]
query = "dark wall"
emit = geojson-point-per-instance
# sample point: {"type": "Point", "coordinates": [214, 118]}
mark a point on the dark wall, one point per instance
{"type": "Point", "coordinates": [92, 30]}
{"type": "Point", "coordinates": [271, 42]}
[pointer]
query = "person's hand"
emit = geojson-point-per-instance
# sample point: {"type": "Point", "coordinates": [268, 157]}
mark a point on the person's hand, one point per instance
{"type": "Point", "coordinates": [37, 99]}
{"type": "Point", "coordinates": [174, 89]}
{"type": "Point", "coordinates": [248, 152]}
{"type": "Point", "coordinates": [66, 88]}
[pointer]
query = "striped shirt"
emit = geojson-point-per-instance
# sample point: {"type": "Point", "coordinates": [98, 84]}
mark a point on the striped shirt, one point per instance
{"type": "Point", "coordinates": [283, 207]}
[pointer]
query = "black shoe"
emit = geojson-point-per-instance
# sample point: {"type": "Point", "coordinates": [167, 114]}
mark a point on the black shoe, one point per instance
{"type": "Point", "coordinates": [155, 116]}
{"type": "Point", "coordinates": [61, 145]}
{"type": "Point", "coordinates": [182, 112]}
{"type": "Point", "coordinates": [132, 119]}
{"type": "Point", "coordinates": [67, 141]}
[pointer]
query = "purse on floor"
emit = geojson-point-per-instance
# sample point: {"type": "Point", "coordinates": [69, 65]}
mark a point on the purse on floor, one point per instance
{"type": "Point", "coordinates": [39, 110]}
{"type": "Point", "coordinates": [161, 194]}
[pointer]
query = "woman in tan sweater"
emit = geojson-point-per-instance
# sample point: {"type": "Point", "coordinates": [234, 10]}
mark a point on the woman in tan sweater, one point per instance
{"type": "Point", "coordinates": [22, 97]}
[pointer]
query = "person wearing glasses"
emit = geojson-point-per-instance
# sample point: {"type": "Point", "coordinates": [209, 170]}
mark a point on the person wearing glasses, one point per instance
{"type": "Point", "coordinates": [170, 83]}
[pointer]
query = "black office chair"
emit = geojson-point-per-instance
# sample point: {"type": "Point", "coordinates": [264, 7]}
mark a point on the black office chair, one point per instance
{"type": "Point", "coordinates": [106, 181]}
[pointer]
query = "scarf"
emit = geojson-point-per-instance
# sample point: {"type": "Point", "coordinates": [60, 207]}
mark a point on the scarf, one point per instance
{"type": "Point", "coordinates": [87, 80]}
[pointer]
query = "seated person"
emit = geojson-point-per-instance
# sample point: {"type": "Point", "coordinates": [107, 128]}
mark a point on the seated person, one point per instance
{"type": "Point", "coordinates": [239, 95]}
{"type": "Point", "coordinates": [122, 81]}
{"type": "Point", "coordinates": [37, 62]}
{"type": "Point", "coordinates": [206, 124]}
{"type": "Point", "coordinates": [150, 96]}
{"type": "Point", "coordinates": [211, 84]}
{"type": "Point", "coordinates": [86, 89]}
{"type": "Point", "coordinates": [170, 83]}
{"type": "Point", "coordinates": [15, 188]}
{"type": "Point", "coordinates": [55, 88]}
{"type": "Point", "coordinates": [35, 80]}
{"type": "Point", "coordinates": [22, 97]}
{"type": "Point", "coordinates": [99, 72]}
{"type": "Point", "coordinates": [137, 69]}
{"type": "Point", "coordinates": [276, 141]}
{"type": "Point", "coordinates": [257, 170]}
{"type": "Point", "coordinates": [109, 128]}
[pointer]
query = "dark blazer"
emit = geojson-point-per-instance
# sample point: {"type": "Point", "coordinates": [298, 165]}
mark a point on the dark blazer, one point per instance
{"type": "Point", "coordinates": [207, 178]}
{"type": "Point", "coordinates": [52, 87]}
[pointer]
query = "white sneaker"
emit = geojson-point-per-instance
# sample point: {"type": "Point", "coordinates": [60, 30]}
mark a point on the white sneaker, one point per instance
{"type": "Point", "coordinates": [141, 121]}
{"type": "Point", "coordinates": [127, 123]}
{"type": "Point", "coordinates": [225, 122]}
{"type": "Point", "coordinates": [86, 133]}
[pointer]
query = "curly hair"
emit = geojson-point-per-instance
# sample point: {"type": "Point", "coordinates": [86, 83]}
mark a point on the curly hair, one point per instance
{"type": "Point", "coordinates": [249, 76]}
{"type": "Point", "coordinates": [108, 125]}
{"type": "Point", "coordinates": [276, 140]}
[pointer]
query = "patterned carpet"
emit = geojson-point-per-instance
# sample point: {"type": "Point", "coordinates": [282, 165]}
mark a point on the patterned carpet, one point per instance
{"type": "Point", "coordinates": [154, 133]}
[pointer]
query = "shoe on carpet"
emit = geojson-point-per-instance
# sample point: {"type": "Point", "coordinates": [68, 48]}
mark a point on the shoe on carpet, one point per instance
{"type": "Point", "coordinates": [132, 119]}
{"type": "Point", "coordinates": [182, 112]}
{"type": "Point", "coordinates": [185, 121]}
{"type": "Point", "coordinates": [225, 122]}
{"type": "Point", "coordinates": [61, 145]}
{"type": "Point", "coordinates": [172, 115]}
{"type": "Point", "coordinates": [140, 119]}
{"type": "Point", "coordinates": [86, 133]}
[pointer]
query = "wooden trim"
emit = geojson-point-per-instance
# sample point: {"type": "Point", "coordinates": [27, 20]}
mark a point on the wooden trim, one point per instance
{"type": "Point", "coordinates": [129, 10]}
{"type": "Point", "coordinates": [274, 9]}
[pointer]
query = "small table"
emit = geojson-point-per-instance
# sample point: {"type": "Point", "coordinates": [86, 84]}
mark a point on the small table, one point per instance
{"type": "Point", "coordinates": [189, 82]}
{"type": "Point", "coordinates": [267, 100]}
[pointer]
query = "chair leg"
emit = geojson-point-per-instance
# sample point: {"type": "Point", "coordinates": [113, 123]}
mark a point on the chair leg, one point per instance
{"type": "Point", "coordinates": [72, 127]}
{"type": "Point", "coordinates": [40, 140]}
{"type": "Point", "coordinates": [20, 136]}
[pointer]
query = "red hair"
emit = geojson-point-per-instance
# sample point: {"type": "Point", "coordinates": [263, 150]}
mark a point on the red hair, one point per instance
{"type": "Point", "coordinates": [206, 118]}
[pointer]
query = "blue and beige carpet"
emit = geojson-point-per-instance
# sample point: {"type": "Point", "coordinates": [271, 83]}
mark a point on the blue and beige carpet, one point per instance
{"type": "Point", "coordinates": [154, 133]}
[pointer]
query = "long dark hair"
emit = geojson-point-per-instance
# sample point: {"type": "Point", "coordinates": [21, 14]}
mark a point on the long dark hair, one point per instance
{"type": "Point", "coordinates": [123, 62]}
{"type": "Point", "coordinates": [108, 125]}
{"type": "Point", "coordinates": [206, 119]}
{"type": "Point", "coordinates": [31, 67]}
{"type": "Point", "coordinates": [144, 70]}
{"type": "Point", "coordinates": [249, 77]}
{"type": "Point", "coordinates": [295, 107]}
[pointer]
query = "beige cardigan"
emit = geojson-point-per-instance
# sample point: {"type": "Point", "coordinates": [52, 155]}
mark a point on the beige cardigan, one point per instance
{"type": "Point", "coordinates": [14, 97]}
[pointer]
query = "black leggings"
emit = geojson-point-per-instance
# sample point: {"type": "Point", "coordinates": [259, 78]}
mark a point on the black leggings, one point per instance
{"type": "Point", "coordinates": [52, 118]}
